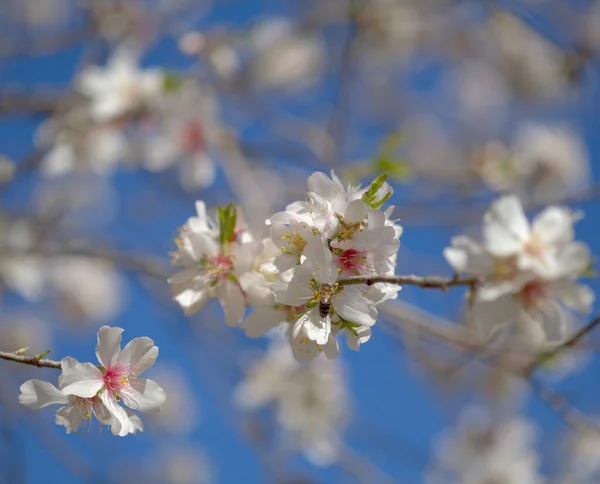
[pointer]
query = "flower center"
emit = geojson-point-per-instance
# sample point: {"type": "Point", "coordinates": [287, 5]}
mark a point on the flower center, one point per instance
{"type": "Point", "coordinates": [532, 293]}
{"type": "Point", "coordinates": [192, 137]}
{"type": "Point", "coordinates": [353, 260]}
{"type": "Point", "coordinates": [220, 266]}
{"type": "Point", "coordinates": [505, 268]}
{"type": "Point", "coordinates": [534, 247]}
{"type": "Point", "coordinates": [293, 243]}
{"type": "Point", "coordinates": [116, 378]}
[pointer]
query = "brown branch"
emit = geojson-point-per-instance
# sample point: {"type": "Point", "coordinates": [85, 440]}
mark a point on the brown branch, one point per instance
{"type": "Point", "coordinates": [426, 282]}
{"type": "Point", "coordinates": [568, 344]}
{"type": "Point", "coordinates": [30, 360]}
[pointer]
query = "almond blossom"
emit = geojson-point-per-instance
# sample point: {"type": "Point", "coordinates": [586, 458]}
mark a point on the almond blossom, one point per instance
{"type": "Point", "coordinates": [213, 263]}
{"type": "Point", "coordinates": [77, 412]}
{"type": "Point", "coordinates": [530, 270]}
{"type": "Point", "coordinates": [117, 379]}
{"type": "Point", "coordinates": [311, 400]}
{"type": "Point", "coordinates": [120, 88]}
{"type": "Point", "coordinates": [487, 449]}
{"type": "Point", "coordinates": [347, 304]}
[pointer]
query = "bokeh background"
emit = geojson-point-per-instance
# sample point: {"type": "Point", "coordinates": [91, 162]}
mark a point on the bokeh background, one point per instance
{"type": "Point", "coordinates": [458, 100]}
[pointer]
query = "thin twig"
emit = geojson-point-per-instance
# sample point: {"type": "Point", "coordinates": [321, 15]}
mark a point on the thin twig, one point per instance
{"type": "Point", "coordinates": [567, 344]}
{"type": "Point", "coordinates": [428, 282]}
{"type": "Point", "coordinates": [30, 360]}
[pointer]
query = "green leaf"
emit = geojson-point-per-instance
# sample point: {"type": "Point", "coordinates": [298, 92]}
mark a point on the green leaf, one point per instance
{"type": "Point", "coordinates": [227, 222]}
{"type": "Point", "coordinates": [41, 355]}
{"type": "Point", "coordinates": [396, 167]}
{"type": "Point", "coordinates": [371, 194]}
{"type": "Point", "coordinates": [386, 197]}
{"type": "Point", "coordinates": [590, 270]}
{"type": "Point", "coordinates": [171, 82]}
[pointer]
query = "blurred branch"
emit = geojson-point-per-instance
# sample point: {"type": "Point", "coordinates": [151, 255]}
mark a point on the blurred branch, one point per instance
{"type": "Point", "coordinates": [568, 344]}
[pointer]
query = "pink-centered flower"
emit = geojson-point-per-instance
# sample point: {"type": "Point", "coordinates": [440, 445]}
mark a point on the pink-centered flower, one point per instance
{"type": "Point", "coordinates": [117, 379]}
{"type": "Point", "coordinates": [76, 413]}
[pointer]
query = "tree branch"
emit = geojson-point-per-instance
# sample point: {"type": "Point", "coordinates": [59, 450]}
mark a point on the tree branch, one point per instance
{"type": "Point", "coordinates": [428, 282]}
{"type": "Point", "coordinates": [30, 360]}
{"type": "Point", "coordinates": [569, 343]}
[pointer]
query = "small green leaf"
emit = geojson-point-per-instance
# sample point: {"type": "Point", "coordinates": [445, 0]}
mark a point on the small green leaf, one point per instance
{"type": "Point", "coordinates": [171, 82]}
{"type": "Point", "coordinates": [386, 197]}
{"type": "Point", "coordinates": [41, 355]}
{"type": "Point", "coordinates": [396, 167]}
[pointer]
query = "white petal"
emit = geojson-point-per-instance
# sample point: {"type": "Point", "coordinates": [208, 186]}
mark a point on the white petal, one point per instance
{"type": "Point", "coordinates": [553, 322]}
{"type": "Point", "coordinates": [139, 355]}
{"type": "Point", "coordinates": [109, 345]}
{"type": "Point", "coordinates": [232, 301]}
{"type": "Point", "coordinates": [71, 417]}
{"type": "Point", "coordinates": [505, 226]}
{"type": "Point", "coordinates": [191, 300]}
{"type": "Point", "coordinates": [575, 296]}
{"type": "Point", "coordinates": [573, 260]}
{"type": "Point", "coordinates": [355, 212]}
{"type": "Point", "coordinates": [68, 362]}
{"type": "Point", "coordinates": [320, 184]}
{"type": "Point", "coordinates": [363, 335]}
{"type": "Point", "coordinates": [317, 328]}
{"type": "Point", "coordinates": [491, 315]}
{"type": "Point", "coordinates": [303, 348]}
{"type": "Point", "coordinates": [37, 394]}
{"type": "Point", "coordinates": [145, 395]}
{"type": "Point", "coordinates": [257, 289]}
{"type": "Point", "coordinates": [120, 422]}
{"type": "Point", "coordinates": [554, 225]}
{"type": "Point", "coordinates": [354, 307]}
{"type": "Point", "coordinates": [467, 256]}
{"type": "Point", "coordinates": [261, 320]}
{"type": "Point", "coordinates": [83, 380]}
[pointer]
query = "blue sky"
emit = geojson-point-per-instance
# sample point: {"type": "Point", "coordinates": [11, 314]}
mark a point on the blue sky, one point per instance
{"type": "Point", "coordinates": [398, 410]}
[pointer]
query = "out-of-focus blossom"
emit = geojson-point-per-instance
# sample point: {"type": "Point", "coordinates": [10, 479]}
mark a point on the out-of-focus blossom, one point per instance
{"type": "Point", "coordinates": [310, 400]}
{"type": "Point", "coordinates": [87, 288]}
{"type": "Point", "coordinates": [285, 58]}
{"type": "Point", "coordinates": [121, 88]}
{"type": "Point", "coordinates": [174, 464]}
{"type": "Point", "coordinates": [544, 163]}
{"type": "Point", "coordinates": [74, 141]}
{"type": "Point", "coordinates": [485, 449]}
{"type": "Point", "coordinates": [185, 130]}
{"type": "Point", "coordinates": [45, 14]}
{"type": "Point", "coordinates": [583, 455]}
{"type": "Point", "coordinates": [180, 414]}
{"type": "Point", "coordinates": [532, 64]}
{"type": "Point", "coordinates": [530, 271]}
{"type": "Point", "coordinates": [7, 169]}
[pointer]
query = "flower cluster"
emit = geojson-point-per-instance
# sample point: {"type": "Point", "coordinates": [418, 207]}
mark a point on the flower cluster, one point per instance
{"type": "Point", "coordinates": [310, 401]}
{"type": "Point", "coordinates": [530, 270]}
{"type": "Point", "coordinates": [484, 448]}
{"type": "Point", "coordinates": [127, 113]}
{"type": "Point", "coordinates": [86, 390]}
{"type": "Point", "coordinates": [296, 276]}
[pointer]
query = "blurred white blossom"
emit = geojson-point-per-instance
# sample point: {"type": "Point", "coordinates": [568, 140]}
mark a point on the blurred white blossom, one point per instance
{"type": "Point", "coordinates": [311, 401]}
{"type": "Point", "coordinates": [485, 449]}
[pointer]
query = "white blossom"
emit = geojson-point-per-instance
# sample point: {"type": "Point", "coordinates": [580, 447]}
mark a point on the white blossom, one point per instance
{"type": "Point", "coordinates": [212, 267]}
{"type": "Point", "coordinates": [121, 88]}
{"type": "Point", "coordinates": [311, 400]}
{"type": "Point", "coordinates": [484, 449]}
{"type": "Point", "coordinates": [530, 270]}
{"type": "Point", "coordinates": [117, 379]}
